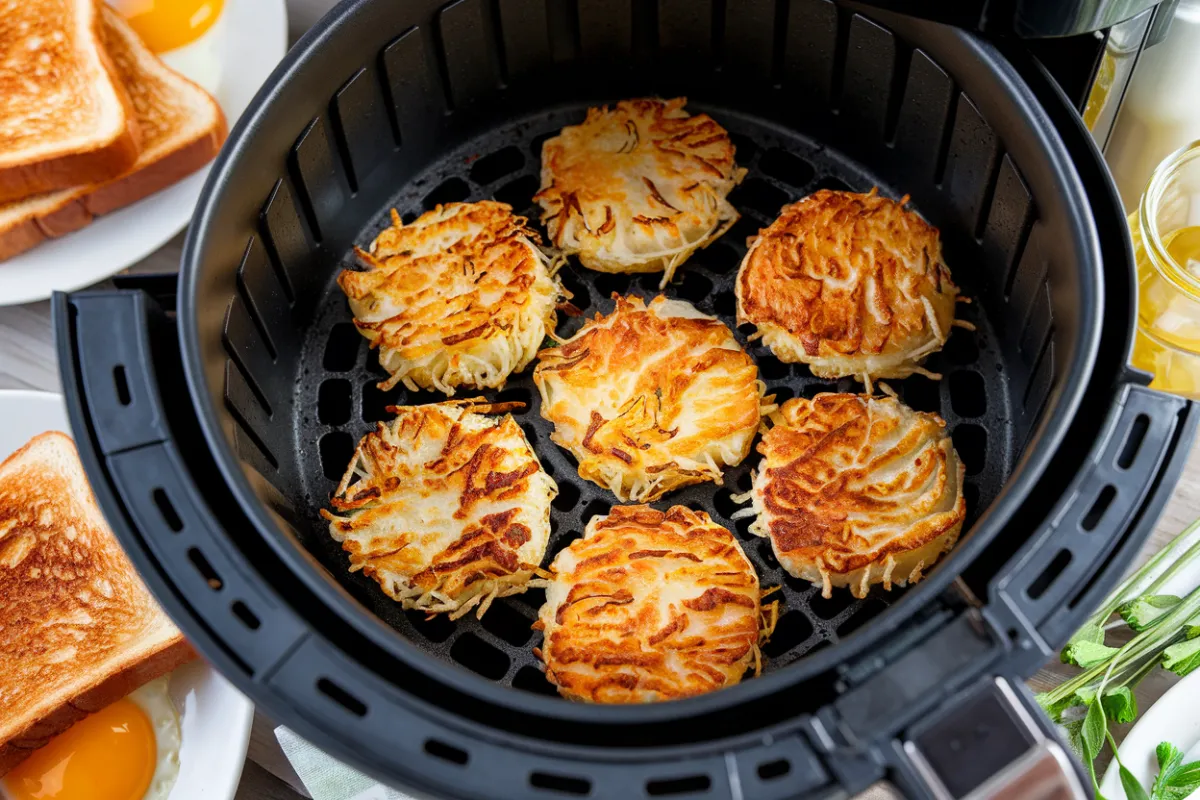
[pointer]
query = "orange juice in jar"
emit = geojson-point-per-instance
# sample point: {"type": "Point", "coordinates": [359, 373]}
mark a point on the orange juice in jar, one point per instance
{"type": "Point", "coordinates": [1166, 240]}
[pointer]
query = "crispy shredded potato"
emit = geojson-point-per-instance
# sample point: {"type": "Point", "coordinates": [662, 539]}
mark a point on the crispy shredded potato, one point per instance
{"type": "Point", "coordinates": [446, 507]}
{"type": "Point", "coordinates": [638, 187]}
{"type": "Point", "coordinates": [650, 606]}
{"type": "Point", "coordinates": [461, 296]}
{"type": "Point", "coordinates": [855, 490]}
{"type": "Point", "coordinates": [651, 398]}
{"type": "Point", "coordinates": [850, 284]}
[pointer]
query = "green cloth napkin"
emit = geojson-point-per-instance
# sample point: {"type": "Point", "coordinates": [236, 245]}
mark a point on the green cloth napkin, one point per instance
{"type": "Point", "coordinates": [327, 778]}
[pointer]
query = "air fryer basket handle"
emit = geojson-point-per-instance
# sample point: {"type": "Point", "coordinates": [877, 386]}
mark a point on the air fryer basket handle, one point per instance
{"type": "Point", "coordinates": [989, 744]}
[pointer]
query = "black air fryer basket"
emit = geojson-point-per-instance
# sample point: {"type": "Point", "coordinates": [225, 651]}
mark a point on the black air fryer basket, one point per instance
{"type": "Point", "coordinates": [215, 420]}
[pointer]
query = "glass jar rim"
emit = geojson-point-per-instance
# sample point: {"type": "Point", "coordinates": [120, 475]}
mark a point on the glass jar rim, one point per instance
{"type": "Point", "coordinates": [1148, 212]}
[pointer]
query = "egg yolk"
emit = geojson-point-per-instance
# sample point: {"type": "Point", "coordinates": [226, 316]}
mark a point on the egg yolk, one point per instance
{"type": "Point", "coordinates": [109, 755]}
{"type": "Point", "coordinates": [167, 24]}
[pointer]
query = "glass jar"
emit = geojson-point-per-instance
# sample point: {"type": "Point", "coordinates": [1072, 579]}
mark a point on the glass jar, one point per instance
{"type": "Point", "coordinates": [1166, 241]}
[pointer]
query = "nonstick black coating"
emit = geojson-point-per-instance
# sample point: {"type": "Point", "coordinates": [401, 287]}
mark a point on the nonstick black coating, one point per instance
{"type": "Point", "coordinates": [340, 401]}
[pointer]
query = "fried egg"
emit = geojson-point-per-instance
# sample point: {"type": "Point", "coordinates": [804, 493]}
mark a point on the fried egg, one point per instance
{"type": "Point", "coordinates": [188, 35]}
{"type": "Point", "coordinates": [461, 296]}
{"type": "Point", "coordinates": [638, 187]}
{"type": "Point", "coordinates": [446, 507]}
{"type": "Point", "coordinates": [850, 284]}
{"type": "Point", "coordinates": [648, 606]}
{"type": "Point", "coordinates": [126, 751]}
{"type": "Point", "coordinates": [855, 490]}
{"type": "Point", "coordinates": [651, 398]}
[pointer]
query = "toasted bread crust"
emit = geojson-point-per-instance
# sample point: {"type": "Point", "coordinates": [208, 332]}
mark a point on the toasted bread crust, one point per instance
{"type": "Point", "coordinates": [173, 655]}
{"type": "Point", "coordinates": [77, 207]}
{"type": "Point", "coordinates": [105, 160]}
{"type": "Point", "coordinates": [60, 564]}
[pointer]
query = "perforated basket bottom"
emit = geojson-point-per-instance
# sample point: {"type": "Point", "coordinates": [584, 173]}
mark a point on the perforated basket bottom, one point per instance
{"type": "Point", "coordinates": [338, 385]}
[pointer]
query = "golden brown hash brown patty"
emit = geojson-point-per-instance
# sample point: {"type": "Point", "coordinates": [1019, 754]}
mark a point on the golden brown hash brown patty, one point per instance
{"type": "Point", "coordinates": [649, 606]}
{"type": "Point", "coordinates": [638, 187]}
{"type": "Point", "coordinates": [850, 284]}
{"type": "Point", "coordinates": [855, 490]}
{"type": "Point", "coordinates": [461, 296]}
{"type": "Point", "coordinates": [450, 509]}
{"type": "Point", "coordinates": [651, 398]}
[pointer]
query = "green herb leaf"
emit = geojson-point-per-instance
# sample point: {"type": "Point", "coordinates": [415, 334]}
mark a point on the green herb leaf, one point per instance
{"type": "Point", "coordinates": [1087, 654]}
{"type": "Point", "coordinates": [548, 342]}
{"type": "Point", "coordinates": [1174, 782]}
{"type": "Point", "coordinates": [1143, 613]}
{"type": "Point", "coordinates": [1093, 732]}
{"type": "Point", "coordinates": [1119, 704]}
{"type": "Point", "coordinates": [1133, 789]}
{"type": "Point", "coordinates": [1183, 657]}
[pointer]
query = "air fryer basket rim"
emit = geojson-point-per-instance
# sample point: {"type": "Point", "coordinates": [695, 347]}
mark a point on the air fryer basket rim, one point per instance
{"type": "Point", "coordinates": [1064, 401]}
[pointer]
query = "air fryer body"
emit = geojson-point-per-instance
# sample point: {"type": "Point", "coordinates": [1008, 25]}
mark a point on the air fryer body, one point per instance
{"type": "Point", "coordinates": [212, 471]}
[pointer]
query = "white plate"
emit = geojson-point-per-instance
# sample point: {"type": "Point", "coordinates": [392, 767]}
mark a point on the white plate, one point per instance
{"type": "Point", "coordinates": [214, 717]}
{"type": "Point", "coordinates": [1175, 718]}
{"type": "Point", "coordinates": [254, 40]}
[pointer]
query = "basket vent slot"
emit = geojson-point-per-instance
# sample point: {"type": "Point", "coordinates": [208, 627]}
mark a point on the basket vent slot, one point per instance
{"type": "Point", "coordinates": [922, 394]}
{"type": "Point", "coordinates": [446, 752]}
{"type": "Point", "coordinates": [518, 193]}
{"type": "Point", "coordinates": [341, 351]}
{"type": "Point", "coordinates": [1103, 500]}
{"type": "Point", "coordinates": [792, 629]}
{"type": "Point", "coordinates": [1133, 441]}
{"type": "Point", "coordinates": [167, 509]}
{"type": "Point", "coordinates": [774, 769]}
{"type": "Point", "coordinates": [121, 384]}
{"type": "Point", "coordinates": [334, 402]}
{"type": "Point", "coordinates": [691, 784]}
{"type": "Point", "coordinates": [532, 679]}
{"type": "Point", "coordinates": [525, 35]}
{"type": "Point", "coordinates": [205, 569]}
{"type": "Point", "coordinates": [342, 697]}
{"type": "Point", "coordinates": [562, 784]}
{"type": "Point", "coordinates": [568, 496]}
{"type": "Point", "coordinates": [362, 126]}
{"type": "Point", "coordinates": [759, 195]}
{"type": "Point", "coordinates": [247, 617]}
{"type": "Point", "coordinates": [500, 164]}
{"type": "Point", "coordinates": [968, 395]}
{"type": "Point", "coordinates": [784, 166]}
{"type": "Point", "coordinates": [451, 190]}
{"type": "Point", "coordinates": [478, 656]}
{"type": "Point", "coordinates": [596, 508]}
{"type": "Point", "coordinates": [414, 88]}
{"type": "Point", "coordinates": [831, 608]}
{"type": "Point", "coordinates": [436, 629]}
{"type": "Point", "coordinates": [695, 287]}
{"type": "Point", "coordinates": [337, 447]}
{"type": "Point", "coordinates": [970, 441]}
{"type": "Point", "coordinates": [506, 623]}
{"type": "Point", "coordinates": [321, 193]}
{"type": "Point", "coordinates": [810, 47]}
{"type": "Point", "coordinates": [1048, 575]}
{"type": "Point", "coordinates": [468, 52]}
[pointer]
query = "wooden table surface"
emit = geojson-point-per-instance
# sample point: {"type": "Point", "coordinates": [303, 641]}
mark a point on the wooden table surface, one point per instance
{"type": "Point", "coordinates": [27, 361]}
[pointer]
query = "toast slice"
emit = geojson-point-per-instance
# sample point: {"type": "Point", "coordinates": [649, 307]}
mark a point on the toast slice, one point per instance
{"type": "Point", "coordinates": [78, 630]}
{"type": "Point", "coordinates": [65, 118]}
{"type": "Point", "coordinates": [182, 128]}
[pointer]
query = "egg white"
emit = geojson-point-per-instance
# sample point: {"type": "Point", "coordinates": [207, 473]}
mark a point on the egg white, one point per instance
{"type": "Point", "coordinates": [155, 701]}
{"type": "Point", "coordinates": [202, 61]}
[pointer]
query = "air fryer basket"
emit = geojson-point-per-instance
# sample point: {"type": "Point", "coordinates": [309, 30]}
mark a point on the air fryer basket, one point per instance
{"type": "Point", "coordinates": [216, 483]}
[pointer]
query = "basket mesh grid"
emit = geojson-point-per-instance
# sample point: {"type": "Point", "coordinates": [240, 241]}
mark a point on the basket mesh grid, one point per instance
{"type": "Point", "coordinates": [338, 387]}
